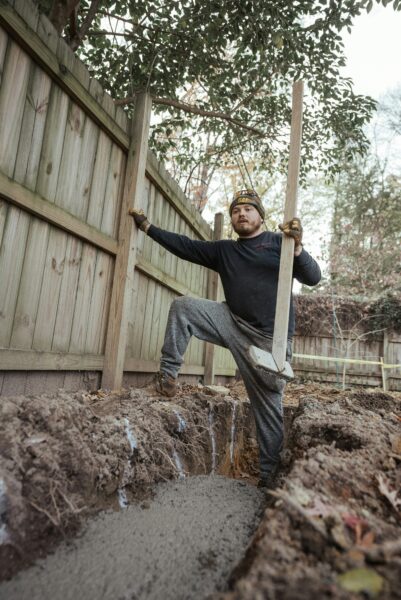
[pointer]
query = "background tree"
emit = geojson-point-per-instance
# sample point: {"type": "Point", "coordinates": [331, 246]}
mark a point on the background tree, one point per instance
{"type": "Point", "coordinates": [366, 236]}
{"type": "Point", "coordinates": [220, 73]}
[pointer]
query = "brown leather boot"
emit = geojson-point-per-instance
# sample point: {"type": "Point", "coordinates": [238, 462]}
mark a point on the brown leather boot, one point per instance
{"type": "Point", "coordinates": [166, 385]}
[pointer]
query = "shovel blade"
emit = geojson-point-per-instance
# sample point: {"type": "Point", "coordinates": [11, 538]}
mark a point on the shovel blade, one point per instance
{"type": "Point", "coordinates": [264, 360]}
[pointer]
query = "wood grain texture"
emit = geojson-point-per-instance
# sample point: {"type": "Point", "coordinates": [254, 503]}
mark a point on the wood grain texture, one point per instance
{"type": "Point", "coordinates": [281, 320]}
{"type": "Point", "coordinates": [52, 148]}
{"type": "Point", "coordinates": [31, 360]}
{"type": "Point", "coordinates": [12, 103]}
{"type": "Point", "coordinates": [116, 339]}
{"type": "Point", "coordinates": [50, 290]}
{"type": "Point", "coordinates": [12, 255]}
{"type": "Point", "coordinates": [35, 44]}
{"type": "Point", "coordinates": [35, 204]}
{"type": "Point", "coordinates": [83, 300]}
{"type": "Point", "coordinates": [68, 295]}
{"type": "Point", "coordinates": [30, 285]}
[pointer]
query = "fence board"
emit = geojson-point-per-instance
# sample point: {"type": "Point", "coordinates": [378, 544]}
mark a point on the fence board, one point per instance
{"type": "Point", "coordinates": [70, 160]}
{"type": "Point", "coordinates": [12, 102]}
{"type": "Point", "coordinates": [85, 170]}
{"type": "Point", "coordinates": [52, 148]}
{"type": "Point", "coordinates": [30, 285]}
{"type": "Point", "coordinates": [68, 294]}
{"type": "Point", "coordinates": [99, 302]}
{"type": "Point", "coordinates": [3, 216]}
{"type": "Point", "coordinates": [112, 203]}
{"type": "Point", "coordinates": [12, 254]}
{"type": "Point", "coordinates": [83, 301]}
{"type": "Point", "coordinates": [50, 292]}
{"type": "Point", "coordinates": [3, 48]}
{"type": "Point", "coordinates": [99, 181]}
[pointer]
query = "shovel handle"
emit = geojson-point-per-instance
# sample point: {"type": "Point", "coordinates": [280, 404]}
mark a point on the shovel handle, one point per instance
{"type": "Point", "coordinates": [280, 333]}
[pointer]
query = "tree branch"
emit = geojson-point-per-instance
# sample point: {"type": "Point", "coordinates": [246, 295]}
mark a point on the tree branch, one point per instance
{"type": "Point", "coordinates": [191, 108]}
{"type": "Point", "coordinates": [76, 40]}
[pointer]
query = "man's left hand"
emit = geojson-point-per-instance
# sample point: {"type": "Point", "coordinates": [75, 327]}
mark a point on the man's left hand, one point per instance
{"type": "Point", "coordinates": [293, 228]}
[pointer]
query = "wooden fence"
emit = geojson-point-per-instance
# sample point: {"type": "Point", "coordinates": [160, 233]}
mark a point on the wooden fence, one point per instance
{"type": "Point", "coordinates": [67, 170]}
{"type": "Point", "coordinates": [365, 357]}
{"type": "Point", "coordinates": [71, 306]}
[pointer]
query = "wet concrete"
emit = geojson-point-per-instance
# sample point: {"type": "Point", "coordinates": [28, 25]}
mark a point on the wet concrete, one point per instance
{"type": "Point", "coordinates": [181, 545]}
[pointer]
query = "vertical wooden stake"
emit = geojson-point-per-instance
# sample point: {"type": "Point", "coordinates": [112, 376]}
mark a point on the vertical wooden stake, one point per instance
{"type": "Point", "coordinates": [280, 334]}
{"type": "Point", "coordinates": [384, 359]}
{"type": "Point", "coordinates": [212, 294]}
{"type": "Point", "coordinates": [116, 338]}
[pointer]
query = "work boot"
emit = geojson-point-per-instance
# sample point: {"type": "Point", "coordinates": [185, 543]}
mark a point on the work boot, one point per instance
{"type": "Point", "coordinates": [166, 385]}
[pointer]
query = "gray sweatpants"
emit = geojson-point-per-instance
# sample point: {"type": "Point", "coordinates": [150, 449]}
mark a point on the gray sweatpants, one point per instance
{"type": "Point", "coordinates": [213, 322]}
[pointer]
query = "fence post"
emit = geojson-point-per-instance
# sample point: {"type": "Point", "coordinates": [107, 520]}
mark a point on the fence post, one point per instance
{"type": "Point", "coordinates": [212, 293]}
{"type": "Point", "coordinates": [116, 337]}
{"type": "Point", "coordinates": [384, 360]}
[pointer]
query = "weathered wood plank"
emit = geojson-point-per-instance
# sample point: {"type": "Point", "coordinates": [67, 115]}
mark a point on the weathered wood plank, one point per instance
{"type": "Point", "coordinates": [50, 291]}
{"type": "Point", "coordinates": [28, 11]}
{"type": "Point", "coordinates": [30, 285]}
{"type": "Point", "coordinates": [99, 181]}
{"type": "Point", "coordinates": [70, 160]}
{"type": "Point", "coordinates": [3, 47]}
{"type": "Point", "coordinates": [12, 254]}
{"type": "Point", "coordinates": [114, 189]}
{"type": "Point", "coordinates": [32, 129]}
{"type": "Point", "coordinates": [86, 169]}
{"type": "Point", "coordinates": [35, 204]}
{"type": "Point", "coordinates": [97, 319]}
{"type": "Point", "coordinates": [42, 55]}
{"type": "Point", "coordinates": [116, 342]}
{"type": "Point", "coordinates": [169, 188]}
{"type": "Point", "coordinates": [12, 102]}
{"type": "Point", "coordinates": [167, 281]}
{"type": "Point", "coordinates": [52, 148]}
{"type": "Point", "coordinates": [31, 360]}
{"type": "Point", "coordinates": [213, 294]}
{"type": "Point", "coordinates": [139, 316]}
{"type": "Point", "coordinates": [47, 33]}
{"type": "Point", "coordinates": [156, 324]}
{"type": "Point", "coordinates": [148, 320]}
{"type": "Point", "coordinates": [83, 301]}
{"type": "Point", "coordinates": [3, 215]}
{"type": "Point", "coordinates": [281, 318]}
{"type": "Point", "coordinates": [68, 295]}
{"type": "Point", "coordinates": [14, 384]}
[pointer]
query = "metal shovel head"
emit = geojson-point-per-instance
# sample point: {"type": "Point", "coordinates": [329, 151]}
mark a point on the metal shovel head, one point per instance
{"type": "Point", "coordinates": [264, 360]}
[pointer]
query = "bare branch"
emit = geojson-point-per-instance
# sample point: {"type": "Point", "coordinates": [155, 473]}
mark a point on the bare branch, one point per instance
{"type": "Point", "coordinates": [191, 108]}
{"type": "Point", "coordinates": [76, 40]}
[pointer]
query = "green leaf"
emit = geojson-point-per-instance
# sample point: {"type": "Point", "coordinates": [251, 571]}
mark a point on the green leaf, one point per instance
{"type": "Point", "coordinates": [361, 580]}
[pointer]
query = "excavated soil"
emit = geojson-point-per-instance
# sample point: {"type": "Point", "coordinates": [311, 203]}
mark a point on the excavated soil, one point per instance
{"type": "Point", "coordinates": [331, 529]}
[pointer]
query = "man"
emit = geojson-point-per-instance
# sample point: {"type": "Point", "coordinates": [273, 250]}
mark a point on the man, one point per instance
{"type": "Point", "coordinates": [248, 268]}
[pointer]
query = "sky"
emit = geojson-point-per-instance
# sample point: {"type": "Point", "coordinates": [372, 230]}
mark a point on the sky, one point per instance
{"type": "Point", "coordinates": [373, 50]}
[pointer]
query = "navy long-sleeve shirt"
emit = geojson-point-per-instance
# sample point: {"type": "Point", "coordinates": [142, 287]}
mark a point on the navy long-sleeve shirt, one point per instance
{"type": "Point", "coordinates": [248, 268]}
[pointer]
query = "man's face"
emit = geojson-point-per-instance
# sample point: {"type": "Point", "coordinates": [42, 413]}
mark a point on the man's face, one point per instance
{"type": "Point", "coordinates": [246, 220]}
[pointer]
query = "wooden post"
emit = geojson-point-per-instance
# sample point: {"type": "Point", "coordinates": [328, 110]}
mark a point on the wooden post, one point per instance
{"type": "Point", "coordinates": [384, 360]}
{"type": "Point", "coordinates": [280, 334]}
{"type": "Point", "coordinates": [116, 338]}
{"type": "Point", "coordinates": [212, 293]}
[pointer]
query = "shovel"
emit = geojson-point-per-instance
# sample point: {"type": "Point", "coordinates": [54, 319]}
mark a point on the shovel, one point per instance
{"type": "Point", "coordinates": [275, 361]}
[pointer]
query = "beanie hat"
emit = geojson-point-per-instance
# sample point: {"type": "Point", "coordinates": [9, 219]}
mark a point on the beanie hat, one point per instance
{"type": "Point", "coordinates": [248, 197]}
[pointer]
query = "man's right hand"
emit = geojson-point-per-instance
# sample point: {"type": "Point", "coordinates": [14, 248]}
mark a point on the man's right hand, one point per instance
{"type": "Point", "coordinates": [140, 219]}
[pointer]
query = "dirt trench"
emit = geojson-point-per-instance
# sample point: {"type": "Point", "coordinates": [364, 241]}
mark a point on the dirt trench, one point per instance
{"type": "Point", "coordinates": [331, 526]}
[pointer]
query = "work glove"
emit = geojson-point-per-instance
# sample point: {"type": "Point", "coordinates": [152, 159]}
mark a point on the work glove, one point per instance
{"type": "Point", "coordinates": [293, 228]}
{"type": "Point", "coordinates": [140, 219]}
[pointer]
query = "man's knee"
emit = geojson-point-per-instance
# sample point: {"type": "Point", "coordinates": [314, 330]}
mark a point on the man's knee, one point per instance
{"type": "Point", "coordinates": [185, 303]}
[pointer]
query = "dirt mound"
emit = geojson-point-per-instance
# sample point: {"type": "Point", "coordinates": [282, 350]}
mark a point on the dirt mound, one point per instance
{"type": "Point", "coordinates": [334, 529]}
{"type": "Point", "coordinates": [65, 457]}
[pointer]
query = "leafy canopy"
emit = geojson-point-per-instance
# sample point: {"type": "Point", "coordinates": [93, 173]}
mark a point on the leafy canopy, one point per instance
{"type": "Point", "coordinates": [236, 57]}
